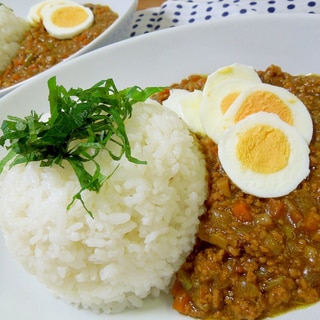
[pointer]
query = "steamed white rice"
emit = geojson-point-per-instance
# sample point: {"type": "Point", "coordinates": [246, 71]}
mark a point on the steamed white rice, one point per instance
{"type": "Point", "coordinates": [12, 30]}
{"type": "Point", "coordinates": [145, 218]}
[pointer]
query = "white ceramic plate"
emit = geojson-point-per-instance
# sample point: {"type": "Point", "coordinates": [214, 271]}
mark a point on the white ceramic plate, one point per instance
{"type": "Point", "coordinates": [119, 30]}
{"type": "Point", "coordinates": [160, 58]}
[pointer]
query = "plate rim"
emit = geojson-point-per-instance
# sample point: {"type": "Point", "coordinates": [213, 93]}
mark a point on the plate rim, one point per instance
{"type": "Point", "coordinates": [161, 33]}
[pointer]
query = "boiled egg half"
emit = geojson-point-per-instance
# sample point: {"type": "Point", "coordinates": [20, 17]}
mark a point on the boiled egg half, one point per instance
{"type": "Point", "coordinates": [186, 105]}
{"type": "Point", "coordinates": [62, 19]}
{"type": "Point", "coordinates": [271, 99]}
{"type": "Point", "coordinates": [221, 89]}
{"type": "Point", "coordinates": [35, 16]}
{"type": "Point", "coordinates": [236, 91]}
{"type": "Point", "coordinates": [264, 155]}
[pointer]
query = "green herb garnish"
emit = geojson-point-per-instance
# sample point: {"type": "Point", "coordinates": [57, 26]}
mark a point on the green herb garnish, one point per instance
{"type": "Point", "coordinates": [82, 122]}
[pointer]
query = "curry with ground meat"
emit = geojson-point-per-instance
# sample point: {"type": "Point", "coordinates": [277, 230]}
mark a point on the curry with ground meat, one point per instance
{"type": "Point", "coordinates": [255, 257]}
{"type": "Point", "coordinates": [39, 51]}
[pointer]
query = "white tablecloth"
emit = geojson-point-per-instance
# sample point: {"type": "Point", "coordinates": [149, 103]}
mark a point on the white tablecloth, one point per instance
{"type": "Point", "coordinates": [179, 12]}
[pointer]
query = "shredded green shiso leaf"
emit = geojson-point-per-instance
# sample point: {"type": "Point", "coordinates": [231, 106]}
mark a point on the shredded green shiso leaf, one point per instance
{"type": "Point", "coordinates": [81, 123]}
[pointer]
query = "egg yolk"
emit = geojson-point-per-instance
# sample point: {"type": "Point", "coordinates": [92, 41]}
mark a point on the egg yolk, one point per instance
{"type": "Point", "coordinates": [264, 101]}
{"type": "Point", "coordinates": [263, 149]}
{"type": "Point", "coordinates": [228, 100]}
{"type": "Point", "coordinates": [227, 70]}
{"type": "Point", "coordinates": [67, 17]}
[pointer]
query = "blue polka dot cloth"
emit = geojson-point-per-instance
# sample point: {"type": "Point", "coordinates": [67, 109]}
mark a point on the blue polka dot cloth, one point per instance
{"type": "Point", "coordinates": [179, 12]}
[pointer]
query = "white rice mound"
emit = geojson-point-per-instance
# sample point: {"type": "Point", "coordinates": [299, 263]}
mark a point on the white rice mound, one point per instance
{"type": "Point", "coordinates": [145, 218]}
{"type": "Point", "coordinates": [12, 30]}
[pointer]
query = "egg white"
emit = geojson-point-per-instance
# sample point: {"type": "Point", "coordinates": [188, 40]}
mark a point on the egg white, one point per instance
{"type": "Point", "coordinates": [211, 113]}
{"type": "Point", "coordinates": [186, 105]}
{"type": "Point", "coordinates": [301, 117]}
{"type": "Point", "coordinates": [60, 32]}
{"type": "Point", "coordinates": [174, 100]}
{"type": "Point", "coordinates": [232, 71]}
{"type": "Point", "coordinates": [264, 185]}
{"type": "Point", "coordinates": [220, 84]}
{"type": "Point", "coordinates": [34, 15]}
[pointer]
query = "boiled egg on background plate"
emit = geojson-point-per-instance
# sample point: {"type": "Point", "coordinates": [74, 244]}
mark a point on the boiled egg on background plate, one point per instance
{"type": "Point", "coordinates": [63, 19]}
{"type": "Point", "coordinates": [262, 131]}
